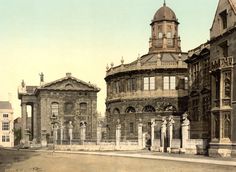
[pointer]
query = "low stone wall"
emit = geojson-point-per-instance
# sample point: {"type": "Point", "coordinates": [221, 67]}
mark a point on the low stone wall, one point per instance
{"type": "Point", "coordinates": [196, 146]}
{"type": "Point", "coordinates": [103, 146]}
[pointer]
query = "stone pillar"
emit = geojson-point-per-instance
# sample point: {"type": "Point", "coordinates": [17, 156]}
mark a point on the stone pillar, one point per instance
{"type": "Point", "coordinates": [55, 138]}
{"type": "Point", "coordinates": [140, 134]}
{"type": "Point", "coordinates": [118, 133]}
{"type": "Point", "coordinates": [43, 138]}
{"type": "Point", "coordinates": [61, 132]}
{"type": "Point", "coordinates": [153, 124]}
{"type": "Point", "coordinates": [163, 134]}
{"type": "Point", "coordinates": [70, 132]}
{"type": "Point", "coordinates": [82, 132]}
{"type": "Point", "coordinates": [35, 125]}
{"type": "Point", "coordinates": [185, 131]}
{"type": "Point", "coordinates": [24, 121]}
{"type": "Point", "coordinates": [170, 133]}
{"type": "Point", "coordinates": [99, 132]}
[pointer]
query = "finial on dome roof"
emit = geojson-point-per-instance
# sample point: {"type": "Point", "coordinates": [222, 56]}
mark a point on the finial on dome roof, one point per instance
{"type": "Point", "coordinates": [122, 60]}
{"type": "Point", "coordinates": [164, 3]}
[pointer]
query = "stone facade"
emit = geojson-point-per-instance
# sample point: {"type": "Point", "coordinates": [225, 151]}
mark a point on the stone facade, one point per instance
{"type": "Point", "coordinates": [150, 88]}
{"type": "Point", "coordinates": [57, 104]}
{"type": "Point", "coordinates": [223, 57]}
{"type": "Point", "coordinates": [220, 56]}
{"type": "Point", "coordinates": [199, 106]}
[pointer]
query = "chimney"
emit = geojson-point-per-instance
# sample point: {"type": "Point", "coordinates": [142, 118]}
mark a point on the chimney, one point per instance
{"type": "Point", "coordinates": [68, 74]}
{"type": "Point", "coordinates": [41, 78]}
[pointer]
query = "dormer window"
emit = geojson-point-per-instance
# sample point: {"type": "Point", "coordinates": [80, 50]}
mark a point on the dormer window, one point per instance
{"type": "Point", "coordinates": [223, 16]}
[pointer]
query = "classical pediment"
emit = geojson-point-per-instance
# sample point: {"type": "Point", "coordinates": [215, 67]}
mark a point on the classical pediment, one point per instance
{"type": "Point", "coordinates": [69, 83]}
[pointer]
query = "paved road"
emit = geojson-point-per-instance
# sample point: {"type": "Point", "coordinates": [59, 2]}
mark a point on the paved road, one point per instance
{"type": "Point", "coordinates": [18, 161]}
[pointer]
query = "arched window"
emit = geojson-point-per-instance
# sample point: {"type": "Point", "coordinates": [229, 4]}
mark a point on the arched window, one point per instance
{"type": "Point", "coordinates": [83, 108]}
{"type": "Point", "coordinates": [149, 108]}
{"type": "Point", "coordinates": [116, 111]}
{"type": "Point", "coordinates": [170, 108]}
{"type": "Point", "coordinates": [130, 109]}
{"type": "Point", "coordinates": [55, 109]}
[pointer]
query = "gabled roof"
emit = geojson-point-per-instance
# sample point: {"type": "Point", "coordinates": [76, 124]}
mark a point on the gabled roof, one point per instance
{"type": "Point", "coordinates": [68, 79]}
{"type": "Point", "coordinates": [232, 4]}
{"type": "Point", "coordinates": [5, 105]}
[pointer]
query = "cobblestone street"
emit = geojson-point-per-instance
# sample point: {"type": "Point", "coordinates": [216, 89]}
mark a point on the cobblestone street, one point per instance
{"type": "Point", "coordinates": [22, 161]}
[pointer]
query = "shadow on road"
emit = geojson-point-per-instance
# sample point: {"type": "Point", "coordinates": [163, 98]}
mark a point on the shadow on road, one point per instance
{"type": "Point", "coordinates": [9, 157]}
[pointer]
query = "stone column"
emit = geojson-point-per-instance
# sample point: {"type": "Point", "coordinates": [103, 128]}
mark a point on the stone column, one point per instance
{"type": "Point", "coordinates": [61, 132]}
{"type": "Point", "coordinates": [35, 125]}
{"type": "Point", "coordinates": [70, 132]}
{"type": "Point", "coordinates": [163, 134]}
{"type": "Point", "coordinates": [185, 131]}
{"type": "Point", "coordinates": [55, 128]}
{"type": "Point", "coordinates": [23, 122]}
{"type": "Point", "coordinates": [170, 132]}
{"type": "Point", "coordinates": [82, 132]}
{"type": "Point", "coordinates": [140, 133]}
{"type": "Point", "coordinates": [153, 124]}
{"type": "Point", "coordinates": [43, 138]}
{"type": "Point", "coordinates": [99, 133]}
{"type": "Point", "coordinates": [118, 134]}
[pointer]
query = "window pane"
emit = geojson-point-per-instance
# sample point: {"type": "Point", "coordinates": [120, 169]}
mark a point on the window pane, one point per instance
{"type": "Point", "coordinates": [5, 126]}
{"type": "Point", "coordinates": [152, 83]}
{"type": "Point", "coordinates": [186, 83]}
{"type": "Point", "coordinates": [146, 83]}
{"type": "Point", "coordinates": [172, 83]}
{"type": "Point", "coordinates": [166, 83]}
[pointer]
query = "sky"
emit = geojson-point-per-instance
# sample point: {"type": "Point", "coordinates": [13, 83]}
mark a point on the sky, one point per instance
{"type": "Point", "coordinates": [83, 36]}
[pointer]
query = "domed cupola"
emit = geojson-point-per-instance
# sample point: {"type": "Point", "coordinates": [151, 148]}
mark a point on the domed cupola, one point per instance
{"type": "Point", "coordinates": [164, 14]}
{"type": "Point", "coordinates": [164, 36]}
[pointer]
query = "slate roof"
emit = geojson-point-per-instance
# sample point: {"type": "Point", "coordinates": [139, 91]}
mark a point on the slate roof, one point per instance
{"type": "Point", "coordinates": [5, 105]}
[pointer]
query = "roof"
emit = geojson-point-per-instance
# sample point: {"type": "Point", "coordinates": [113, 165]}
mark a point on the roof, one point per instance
{"type": "Point", "coordinates": [164, 13]}
{"type": "Point", "coordinates": [5, 105]}
{"type": "Point", "coordinates": [164, 57]}
{"type": "Point", "coordinates": [233, 4]}
{"type": "Point", "coordinates": [72, 78]}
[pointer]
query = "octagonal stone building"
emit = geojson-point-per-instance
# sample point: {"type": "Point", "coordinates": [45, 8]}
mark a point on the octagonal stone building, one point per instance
{"type": "Point", "coordinates": [153, 86]}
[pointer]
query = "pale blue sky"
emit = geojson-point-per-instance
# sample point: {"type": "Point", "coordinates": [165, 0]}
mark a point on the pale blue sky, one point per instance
{"type": "Point", "coordinates": [59, 36]}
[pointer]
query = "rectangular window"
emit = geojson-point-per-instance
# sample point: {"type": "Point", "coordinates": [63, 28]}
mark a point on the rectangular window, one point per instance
{"type": "Point", "coordinates": [131, 127]}
{"type": "Point", "coordinates": [5, 138]}
{"type": "Point", "coordinates": [166, 83]}
{"type": "Point", "coordinates": [131, 85]}
{"type": "Point", "coordinates": [5, 125]}
{"type": "Point", "coordinates": [169, 83]}
{"type": "Point", "coordinates": [5, 115]}
{"type": "Point", "coordinates": [223, 16]}
{"type": "Point", "coordinates": [152, 83]}
{"type": "Point", "coordinates": [149, 83]}
{"type": "Point", "coordinates": [172, 83]}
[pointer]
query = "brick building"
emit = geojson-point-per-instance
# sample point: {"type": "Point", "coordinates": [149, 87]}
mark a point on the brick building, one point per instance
{"type": "Point", "coordinates": [153, 86]}
{"type": "Point", "coordinates": [55, 104]}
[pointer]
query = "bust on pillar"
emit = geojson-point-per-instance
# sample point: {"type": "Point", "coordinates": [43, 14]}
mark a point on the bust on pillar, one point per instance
{"type": "Point", "coordinates": [185, 131]}
{"type": "Point", "coordinates": [153, 124]}
{"type": "Point", "coordinates": [163, 134]}
{"type": "Point", "coordinates": [82, 132]}
{"type": "Point", "coordinates": [70, 131]}
{"type": "Point", "coordinates": [170, 132]}
{"type": "Point", "coordinates": [118, 131]}
{"type": "Point", "coordinates": [140, 133]}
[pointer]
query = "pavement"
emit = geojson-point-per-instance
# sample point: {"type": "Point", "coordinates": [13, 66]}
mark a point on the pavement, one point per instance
{"type": "Point", "coordinates": [144, 154]}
